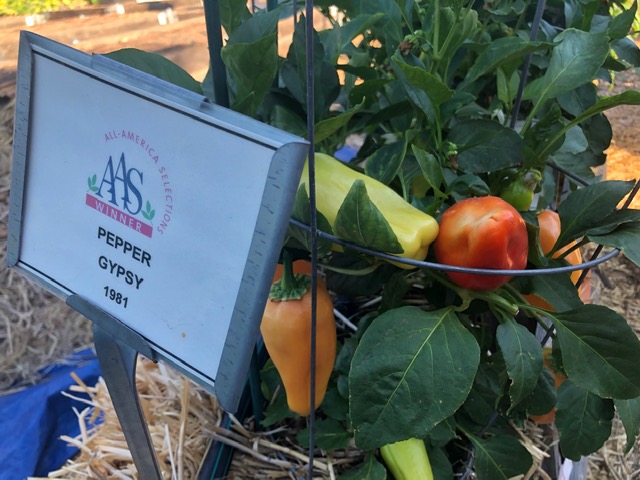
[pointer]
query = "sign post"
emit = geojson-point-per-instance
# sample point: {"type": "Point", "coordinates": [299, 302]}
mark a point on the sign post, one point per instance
{"type": "Point", "coordinates": [155, 213]}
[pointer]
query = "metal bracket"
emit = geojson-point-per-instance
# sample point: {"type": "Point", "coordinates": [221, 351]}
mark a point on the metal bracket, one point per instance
{"type": "Point", "coordinates": [118, 365]}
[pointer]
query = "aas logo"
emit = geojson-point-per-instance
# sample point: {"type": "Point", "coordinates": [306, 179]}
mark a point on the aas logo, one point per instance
{"type": "Point", "coordinates": [118, 195]}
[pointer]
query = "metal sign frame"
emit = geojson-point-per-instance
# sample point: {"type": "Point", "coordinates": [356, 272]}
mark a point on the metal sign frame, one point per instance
{"type": "Point", "coordinates": [266, 235]}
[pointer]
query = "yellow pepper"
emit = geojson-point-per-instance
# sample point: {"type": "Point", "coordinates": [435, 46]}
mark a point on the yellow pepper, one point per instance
{"type": "Point", "coordinates": [414, 229]}
{"type": "Point", "coordinates": [407, 460]}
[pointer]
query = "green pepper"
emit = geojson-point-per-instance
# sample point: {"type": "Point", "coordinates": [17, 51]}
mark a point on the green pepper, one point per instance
{"type": "Point", "coordinates": [407, 460]}
{"type": "Point", "coordinates": [414, 229]}
{"type": "Point", "coordinates": [519, 193]}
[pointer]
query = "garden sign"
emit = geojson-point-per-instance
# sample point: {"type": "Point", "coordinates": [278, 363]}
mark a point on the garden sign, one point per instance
{"type": "Point", "coordinates": [151, 204]}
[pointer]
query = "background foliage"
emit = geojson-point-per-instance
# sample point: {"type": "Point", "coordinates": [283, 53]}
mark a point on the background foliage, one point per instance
{"type": "Point", "coordinates": [31, 7]}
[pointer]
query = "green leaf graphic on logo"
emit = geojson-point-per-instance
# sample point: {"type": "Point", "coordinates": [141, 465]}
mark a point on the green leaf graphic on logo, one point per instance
{"type": "Point", "coordinates": [148, 213]}
{"type": "Point", "coordinates": [91, 181]}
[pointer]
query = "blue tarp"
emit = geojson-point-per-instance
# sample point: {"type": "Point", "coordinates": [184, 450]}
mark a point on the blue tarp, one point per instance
{"type": "Point", "coordinates": [32, 420]}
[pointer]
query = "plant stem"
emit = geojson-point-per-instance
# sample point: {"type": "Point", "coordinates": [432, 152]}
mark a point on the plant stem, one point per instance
{"type": "Point", "coordinates": [577, 245]}
{"type": "Point", "coordinates": [360, 272]}
{"type": "Point", "coordinates": [288, 281]}
{"type": "Point", "coordinates": [436, 30]}
{"type": "Point", "coordinates": [493, 298]}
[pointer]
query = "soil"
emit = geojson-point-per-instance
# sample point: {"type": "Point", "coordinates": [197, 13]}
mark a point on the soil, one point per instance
{"type": "Point", "coordinates": [37, 329]}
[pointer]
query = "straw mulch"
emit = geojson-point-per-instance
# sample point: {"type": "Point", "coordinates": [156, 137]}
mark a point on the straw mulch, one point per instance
{"type": "Point", "coordinates": [183, 422]}
{"type": "Point", "coordinates": [179, 415]}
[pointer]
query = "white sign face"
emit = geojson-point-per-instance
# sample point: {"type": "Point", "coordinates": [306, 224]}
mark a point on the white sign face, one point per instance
{"type": "Point", "coordinates": [166, 217]}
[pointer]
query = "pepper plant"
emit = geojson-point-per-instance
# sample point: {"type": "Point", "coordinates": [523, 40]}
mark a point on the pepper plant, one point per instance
{"type": "Point", "coordinates": [451, 100]}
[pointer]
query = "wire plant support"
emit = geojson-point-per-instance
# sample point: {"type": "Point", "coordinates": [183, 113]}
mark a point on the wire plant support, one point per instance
{"type": "Point", "coordinates": [221, 97]}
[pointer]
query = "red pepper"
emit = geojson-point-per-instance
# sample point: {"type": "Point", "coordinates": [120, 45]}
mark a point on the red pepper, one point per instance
{"type": "Point", "coordinates": [483, 232]}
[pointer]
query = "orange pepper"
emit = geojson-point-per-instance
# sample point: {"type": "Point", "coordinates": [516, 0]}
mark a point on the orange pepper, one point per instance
{"type": "Point", "coordinates": [286, 331]}
{"type": "Point", "coordinates": [549, 222]}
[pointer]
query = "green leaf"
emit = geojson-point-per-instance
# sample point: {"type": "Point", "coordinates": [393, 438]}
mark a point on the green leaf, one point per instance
{"type": "Point", "coordinates": [352, 285]}
{"type": "Point", "coordinates": [325, 128]}
{"type": "Point", "coordinates": [370, 469]}
{"type": "Point", "coordinates": [334, 405]}
{"type": "Point", "coordinates": [579, 164]}
{"type": "Point", "coordinates": [599, 133]}
{"type": "Point", "coordinates": [360, 221]}
{"type": "Point", "coordinates": [613, 221]}
{"type": "Point", "coordinates": [442, 433]}
{"type": "Point", "coordinates": [390, 25]}
{"type": "Point", "coordinates": [586, 207]}
{"type": "Point", "coordinates": [338, 38]}
{"type": "Point", "coordinates": [481, 402]}
{"type": "Point", "coordinates": [233, 13]}
{"type": "Point", "coordinates": [329, 435]}
{"type": "Point", "coordinates": [485, 146]}
{"type": "Point", "coordinates": [416, 95]}
{"type": "Point", "coordinates": [522, 354]}
{"type": "Point", "coordinates": [440, 463]}
{"type": "Point", "coordinates": [411, 370]}
{"type": "Point", "coordinates": [301, 213]}
{"type": "Point", "coordinates": [574, 141]}
{"type": "Point", "coordinates": [287, 120]}
{"type": "Point", "coordinates": [253, 67]}
{"type": "Point", "coordinates": [630, 97]}
{"type": "Point", "coordinates": [457, 25]}
{"type": "Point", "coordinates": [90, 185]}
{"type": "Point", "coordinates": [294, 72]}
{"type": "Point", "coordinates": [626, 238]}
{"type": "Point", "coordinates": [256, 27]}
{"type": "Point", "coordinates": [156, 65]}
{"type": "Point", "coordinates": [621, 25]}
{"type": "Point", "coordinates": [386, 161]}
{"type": "Point", "coordinates": [430, 167]}
{"type": "Point", "coordinates": [419, 78]}
{"type": "Point", "coordinates": [393, 291]}
{"type": "Point", "coordinates": [629, 411]}
{"type": "Point", "coordinates": [500, 457]}
{"type": "Point", "coordinates": [507, 87]}
{"type": "Point", "coordinates": [469, 185]}
{"type": "Point", "coordinates": [600, 352]}
{"type": "Point", "coordinates": [368, 89]}
{"type": "Point", "coordinates": [557, 289]}
{"type": "Point", "coordinates": [544, 396]}
{"type": "Point", "coordinates": [499, 52]}
{"type": "Point", "coordinates": [626, 51]}
{"type": "Point", "coordinates": [579, 100]}
{"type": "Point", "coordinates": [574, 61]}
{"type": "Point", "coordinates": [583, 420]}
{"type": "Point", "coordinates": [411, 177]}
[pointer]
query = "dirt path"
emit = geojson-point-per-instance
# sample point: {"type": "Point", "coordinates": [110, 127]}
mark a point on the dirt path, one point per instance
{"type": "Point", "coordinates": [182, 38]}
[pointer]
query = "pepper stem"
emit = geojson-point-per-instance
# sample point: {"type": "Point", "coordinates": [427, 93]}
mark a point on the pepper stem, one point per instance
{"type": "Point", "coordinates": [291, 286]}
